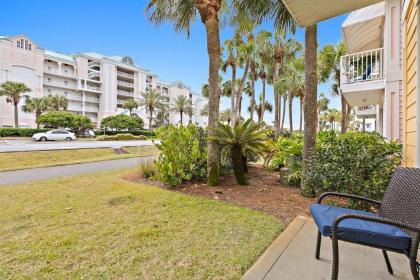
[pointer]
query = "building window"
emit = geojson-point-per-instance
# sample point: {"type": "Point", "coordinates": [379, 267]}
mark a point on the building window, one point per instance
{"type": "Point", "coordinates": [18, 44]}
{"type": "Point", "coordinates": [49, 80]}
{"type": "Point", "coordinates": [49, 90]}
{"type": "Point", "coordinates": [21, 43]}
{"type": "Point", "coordinates": [26, 44]}
{"type": "Point", "coordinates": [49, 67]}
{"type": "Point", "coordinates": [65, 82]}
{"type": "Point", "coordinates": [30, 46]}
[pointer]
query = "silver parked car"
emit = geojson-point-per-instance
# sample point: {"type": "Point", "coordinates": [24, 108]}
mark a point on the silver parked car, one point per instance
{"type": "Point", "coordinates": [54, 135]}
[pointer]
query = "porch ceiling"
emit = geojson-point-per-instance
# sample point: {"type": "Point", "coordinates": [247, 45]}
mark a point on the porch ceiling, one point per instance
{"type": "Point", "coordinates": [308, 12]}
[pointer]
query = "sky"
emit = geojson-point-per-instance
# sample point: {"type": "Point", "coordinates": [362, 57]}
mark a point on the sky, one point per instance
{"type": "Point", "coordinates": [121, 28]}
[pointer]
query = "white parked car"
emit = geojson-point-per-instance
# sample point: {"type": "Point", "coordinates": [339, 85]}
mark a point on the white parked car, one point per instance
{"type": "Point", "coordinates": [54, 135]}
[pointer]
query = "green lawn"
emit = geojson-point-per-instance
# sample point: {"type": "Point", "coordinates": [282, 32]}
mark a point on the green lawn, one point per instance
{"type": "Point", "coordinates": [101, 227]}
{"type": "Point", "coordinates": [22, 160]}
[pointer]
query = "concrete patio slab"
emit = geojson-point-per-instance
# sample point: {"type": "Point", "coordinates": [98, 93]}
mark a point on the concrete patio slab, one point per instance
{"type": "Point", "coordinates": [291, 257]}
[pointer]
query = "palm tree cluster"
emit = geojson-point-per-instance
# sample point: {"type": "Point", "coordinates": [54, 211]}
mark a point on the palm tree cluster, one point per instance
{"type": "Point", "coordinates": [261, 58]}
{"type": "Point", "coordinates": [14, 92]}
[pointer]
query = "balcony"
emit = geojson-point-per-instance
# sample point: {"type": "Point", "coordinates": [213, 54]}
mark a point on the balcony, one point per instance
{"type": "Point", "coordinates": [125, 75]}
{"type": "Point", "coordinates": [94, 74]}
{"type": "Point", "coordinates": [56, 72]}
{"type": "Point", "coordinates": [362, 77]}
{"type": "Point", "coordinates": [368, 111]}
{"type": "Point", "coordinates": [125, 84]}
{"type": "Point", "coordinates": [125, 93]}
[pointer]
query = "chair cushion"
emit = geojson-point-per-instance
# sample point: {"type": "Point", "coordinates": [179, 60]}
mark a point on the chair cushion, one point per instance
{"type": "Point", "coordinates": [354, 230]}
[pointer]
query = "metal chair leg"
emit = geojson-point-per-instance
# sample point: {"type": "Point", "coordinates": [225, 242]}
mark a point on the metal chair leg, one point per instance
{"type": "Point", "coordinates": [414, 268]}
{"type": "Point", "coordinates": [388, 263]}
{"type": "Point", "coordinates": [335, 263]}
{"type": "Point", "coordinates": [318, 246]}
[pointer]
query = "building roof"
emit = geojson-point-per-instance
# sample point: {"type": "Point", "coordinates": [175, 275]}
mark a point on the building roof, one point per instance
{"type": "Point", "coordinates": [59, 55]}
{"type": "Point", "coordinates": [307, 13]}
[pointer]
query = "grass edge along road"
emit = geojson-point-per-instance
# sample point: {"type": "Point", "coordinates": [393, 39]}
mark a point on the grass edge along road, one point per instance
{"type": "Point", "coordinates": [36, 159]}
{"type": "Point", "coordinates": [102, 226]}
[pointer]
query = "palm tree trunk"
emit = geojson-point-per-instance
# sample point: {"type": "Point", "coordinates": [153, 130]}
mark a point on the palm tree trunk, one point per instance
{"type": "Point", "coordinates": [291, 111]}
{"type": "Point", "coordinates": [310, 101]}
{"type": "Point", "coordinates": [252, 98]}
{"type": "Point", "coordinates": [180, 117]}
{"type": "Point", "coordinates": [37, 114]}
{"type": "Point", "coordinates": [232, 94]}
{"type": "Point", "coordinates": [276, 99]}
{"type": "Point", "coordinates": [284, 111]}
{"type": "Point", "coordinates": [279, 112]}
{"type": "Point", "coordinates": [16, 115]}
{"type": "Point", "coordinates": [262, 105]}
{"type": "Point", "coordinates": [301, 113]}
{"type": "Point", "coordinates": [343, 114]}
{"type": "Point", "coordinates": [237, 114]}
{"type": "Point", "coordinates": [213, 48]}
{"type": "Point", "coordinates": [150, 119]}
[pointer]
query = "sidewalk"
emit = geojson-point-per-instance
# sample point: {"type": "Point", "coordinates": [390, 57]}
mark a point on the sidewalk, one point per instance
{"type": "Point", "coordinates": [291, 257]}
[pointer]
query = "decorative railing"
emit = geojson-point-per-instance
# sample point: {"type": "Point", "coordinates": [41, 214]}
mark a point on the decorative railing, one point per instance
{"type": "Point", "coordinates": [125, 93]}
{"type": "Point", "coordinates": [365, 110]}
{"type": "Point", "coordinates": [121, 83]}
{"type": "Point", "coordinates": [362, 67]}
{"type": "Point", "coordinates": [124, 74]}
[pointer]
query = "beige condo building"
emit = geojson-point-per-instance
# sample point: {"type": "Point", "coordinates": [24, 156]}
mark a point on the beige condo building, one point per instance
{"type": "Point", "coordinates": [94, 84]}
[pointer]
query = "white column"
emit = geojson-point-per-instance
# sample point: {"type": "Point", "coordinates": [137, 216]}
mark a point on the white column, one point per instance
{"type": "Point", "coordinates": [83, 102]}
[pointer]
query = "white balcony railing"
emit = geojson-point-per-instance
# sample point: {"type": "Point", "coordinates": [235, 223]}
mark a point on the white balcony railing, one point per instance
{"type": "Point", "coordinates": [93, 74]}
{"type": "Point", "coordinates": [125, 93]}
{"type": "Point", "coordinates": [365, 110]}
{"type": "Point", "coordinates": [124, 74]}
{"type": "Point", "coordinates": [362, 67]}
{"type": "Point", "coordinates": [125, 84]}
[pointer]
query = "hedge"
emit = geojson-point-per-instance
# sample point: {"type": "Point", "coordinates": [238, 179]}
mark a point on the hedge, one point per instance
{"type": "Point", "coordinates": [20, 132]}
{"type": "Point", "coordinates": [120, 137]}
{"type": "Point", "coordinates": [148, 133]}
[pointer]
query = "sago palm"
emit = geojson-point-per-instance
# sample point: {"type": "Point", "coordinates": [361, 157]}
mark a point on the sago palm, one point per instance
{"type": "Point", "coordinates": [182, 105]}
{"type": "Point", "coordinates": [239, 141]}
{"type": "Point", "coordinates": [151, 100]}
{"type": "Point", "coordinates": [13, 92]}
{"type": "Point", "coordinates": [36, 105]}
{"type": "Point", "coordinates": [183, 14]}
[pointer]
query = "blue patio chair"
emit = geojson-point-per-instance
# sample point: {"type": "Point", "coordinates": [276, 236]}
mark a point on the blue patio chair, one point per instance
{"type": "Point", "coordinates": [395, 228]}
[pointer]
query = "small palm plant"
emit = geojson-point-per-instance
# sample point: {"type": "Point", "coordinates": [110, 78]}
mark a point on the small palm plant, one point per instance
{"type": "Point", "coordinates": [182, 105]}
{"type": "Point", "coordinates": [243, 139]}
{"type": "Point", "coordinates": [36, 105]}
{"type": "Point", "coordinates": [13, 92]}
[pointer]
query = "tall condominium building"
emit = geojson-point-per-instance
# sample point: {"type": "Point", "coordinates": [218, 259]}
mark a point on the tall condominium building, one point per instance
{"type": "Point", "coordinates": [95, 85]}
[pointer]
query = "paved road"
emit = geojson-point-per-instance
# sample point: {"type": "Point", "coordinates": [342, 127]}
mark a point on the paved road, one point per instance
{"type": "Point", "coordinates": [29, 145]}
{"type": "Point", "coordinates": [28, 175]}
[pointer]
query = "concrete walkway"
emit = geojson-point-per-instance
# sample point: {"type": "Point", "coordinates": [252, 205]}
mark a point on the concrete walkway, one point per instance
{"type": "Point", "coordinates": [28, 175]}
{"type": "Point", "coordinates": [291, 257]}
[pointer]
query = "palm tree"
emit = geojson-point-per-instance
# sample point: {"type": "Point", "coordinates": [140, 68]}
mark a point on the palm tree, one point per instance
{"type": "Point", "coordinates": [36, 105]}
{"type": "Point", "coordinates": [239, 141]}
{"type": "Point", "coordinates": [329, 66]}
{"type": "Point", "coordinates": [13, 93]}
{"type": "Point", "coordinates": [150, 101]}
{"type": "Point", "coordinates": [205, 110]}
{"type": "Point", "coordinates": [57, 103]}
{"type": "Point", "coordinates": [293, 81]}
{"type": "Point", "coordinates": [332, 116]}
{"type": "Point", "coordinates": [182, 13]}
{"type": "Point", "coordinates": [322, 106]}
{"type": "Point", "coordinates": [226, 116]}
{"type": "Point", "coordinates": [162, 117]}
{"type": "Point", "coordinates": [264, 52]}
{"type": "Point", "coordinates": [267, 107]}
{"type": "Point", "coordinates": [182, 105]}
{"type": "Point", "coordinates": [130, 105]}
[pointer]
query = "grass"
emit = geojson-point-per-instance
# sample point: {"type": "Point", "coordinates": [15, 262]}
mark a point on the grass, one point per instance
{"type": "Point", "coordinates": [101, 227]}
{"type": "Point", "coordinates": [22, 160]}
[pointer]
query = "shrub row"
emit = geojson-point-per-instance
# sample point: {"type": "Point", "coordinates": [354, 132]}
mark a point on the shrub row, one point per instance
{"type": "Point", "coordinates": [121, 137]}
{"type": "Point", "coordinates": [19, 132]}
{"type": "Point", "coordinates": [148, 133]}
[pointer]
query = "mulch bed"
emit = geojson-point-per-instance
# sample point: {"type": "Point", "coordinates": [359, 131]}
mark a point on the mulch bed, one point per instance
{"type": "Point", "coordinates": [264, 193]}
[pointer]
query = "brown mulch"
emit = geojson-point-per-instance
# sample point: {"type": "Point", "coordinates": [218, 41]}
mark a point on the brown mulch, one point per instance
{"type": "Point", "coordinates": [264, 193]}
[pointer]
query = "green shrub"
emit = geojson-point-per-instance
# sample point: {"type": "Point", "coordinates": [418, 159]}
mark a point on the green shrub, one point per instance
{"type": "Point", "coordinates": [183, 154]}
{"type": "Point", "coordinates": [148, 133]}
{"type": "Point", "coordinates": [62, 119]}
{"type": "Point", "coordinates": [120, 137]}
{"type": "Point", "coordinates": [122, 122]}
{"type": "Point", "coordinates": [20, 132]}
{"type": "Point", "coordinates": [285, 147]}
{"type": "Point", "coordinates": [354, 162]}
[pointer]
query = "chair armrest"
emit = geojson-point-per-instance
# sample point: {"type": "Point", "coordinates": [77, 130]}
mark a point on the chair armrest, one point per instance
{"type": "Point", "coordinates": [350, 196]}
{"type": "Point", "coordinates": [380, 220]}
